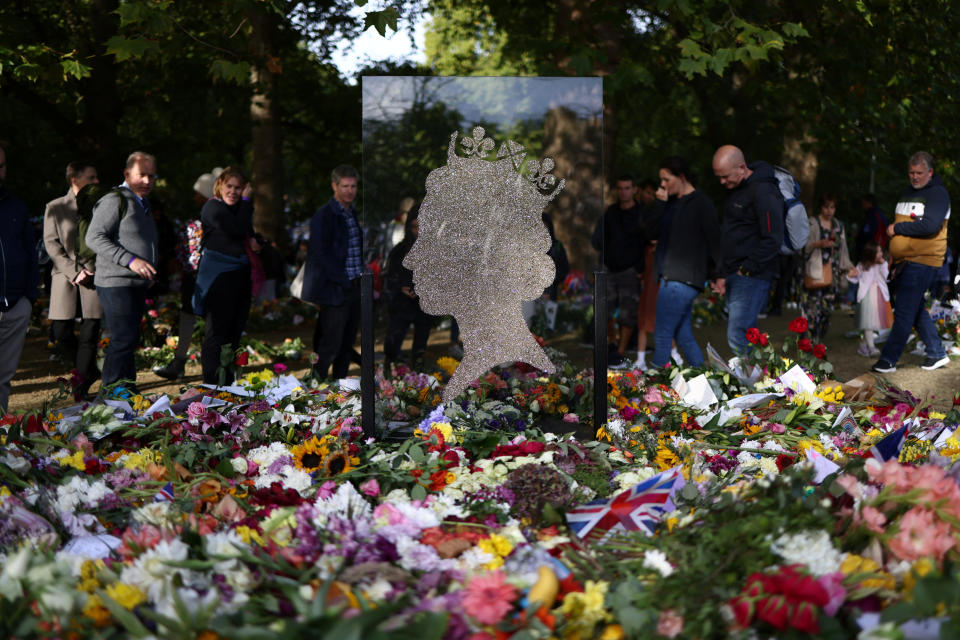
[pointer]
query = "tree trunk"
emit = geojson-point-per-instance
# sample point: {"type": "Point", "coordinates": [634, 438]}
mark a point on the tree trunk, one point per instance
{"type": "Point", "coordinates": [579, 21]}
{"type": "Point", "coordinates": [267, 166]}
{"type": "Point", "coordinates": [800, 158]}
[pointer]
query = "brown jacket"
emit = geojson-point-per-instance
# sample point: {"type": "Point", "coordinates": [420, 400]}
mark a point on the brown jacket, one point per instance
{"type": "Point", "coordinates": [60, 239]}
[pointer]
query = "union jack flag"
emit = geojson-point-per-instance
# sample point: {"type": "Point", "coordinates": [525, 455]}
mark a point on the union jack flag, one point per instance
{"type": "Point", "coordinates": [164, 494]}
{"type": "Point", "coordinates": [889, 448]}
{"type": "Point", "coordinates": [639, 508]}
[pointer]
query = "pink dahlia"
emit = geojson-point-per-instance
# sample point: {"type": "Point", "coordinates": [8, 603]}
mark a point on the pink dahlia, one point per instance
{"type": "Point", "coordinates": [489, 597]}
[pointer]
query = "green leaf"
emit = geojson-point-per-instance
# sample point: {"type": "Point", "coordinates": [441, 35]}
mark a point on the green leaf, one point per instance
{"type": "Point", "coordinates": [235, 72]}
{"type": "Point", "coordinates": [129, 621]}
{"type": "Point", "coordinates": [225, 469]}
{"type": "Point", "coordinates": [74, 68]}
{"type": "Point", "coordinates": [381, 20]}
{"type": "Point", "coordinates": [418, 492]}
{"type": "Point", "coordinates": [691, 49]}
{"type": "Point", "coordinates": [130, 48]}
{"type": "Point", "coordinates": [795, 30]}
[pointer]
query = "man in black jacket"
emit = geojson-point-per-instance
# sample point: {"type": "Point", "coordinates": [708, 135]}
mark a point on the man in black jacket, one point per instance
{"type": "Point", "coordinates": [332, 276]}
{"type": "Point", "coordinates": [621, 232]}
{"type": "Point", "coordinates": [752, 235]}
{"type": "Point", "coordinates": [18, 280]}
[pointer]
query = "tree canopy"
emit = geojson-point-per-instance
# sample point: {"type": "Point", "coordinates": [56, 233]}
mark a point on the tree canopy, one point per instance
{"type": "Point", "coordinates": [839, 92]}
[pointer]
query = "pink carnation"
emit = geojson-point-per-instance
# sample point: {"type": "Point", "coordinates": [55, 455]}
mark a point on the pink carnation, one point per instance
{"type": "Point", "coordinates": [851, 485]}
{"type": "Point", "coordinates": [873, 519]}
{"type": "Point", "coordinates": [653, 396]}
{"type": "Point", "coordinates": [922, 534]}
{"type": "Point", "coordinates": [488, 597]}
{"type": "Point", "coordinates": [326, 490]}
{"type": "Point", "coordinates": [892, 474]}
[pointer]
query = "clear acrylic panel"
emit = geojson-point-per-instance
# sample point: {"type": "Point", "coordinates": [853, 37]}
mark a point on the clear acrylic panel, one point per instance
{"type": "Point", "coordinates": [407, 127]}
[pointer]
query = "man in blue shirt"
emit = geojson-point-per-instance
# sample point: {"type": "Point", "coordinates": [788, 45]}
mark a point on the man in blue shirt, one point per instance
{"type": "Point", "coordinates": [332, 276]}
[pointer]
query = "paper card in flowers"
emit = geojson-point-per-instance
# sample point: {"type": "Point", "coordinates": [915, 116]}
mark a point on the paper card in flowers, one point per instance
{"type": "Point", "coordinates": [482, 251]}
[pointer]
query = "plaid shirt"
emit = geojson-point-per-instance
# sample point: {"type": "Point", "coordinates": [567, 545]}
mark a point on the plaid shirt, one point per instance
{"type": "Point", "coordinates": [354, 264]}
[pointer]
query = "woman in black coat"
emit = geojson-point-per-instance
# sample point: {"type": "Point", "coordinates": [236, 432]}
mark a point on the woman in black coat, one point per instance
{"type": "Point", "coordinates": [223, 289]}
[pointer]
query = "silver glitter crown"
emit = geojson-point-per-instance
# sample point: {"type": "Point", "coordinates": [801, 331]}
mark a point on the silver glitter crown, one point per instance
{"type": "Point", "coordinates": [537, 173]}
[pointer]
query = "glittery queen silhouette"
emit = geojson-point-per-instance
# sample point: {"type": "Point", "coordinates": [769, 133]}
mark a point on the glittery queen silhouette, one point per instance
{"type": "Point", "coordinates": [482, 251]}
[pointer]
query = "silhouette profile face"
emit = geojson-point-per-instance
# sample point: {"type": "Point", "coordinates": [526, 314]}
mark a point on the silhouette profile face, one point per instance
{"type": "Point", "coordinates": [482, 249]}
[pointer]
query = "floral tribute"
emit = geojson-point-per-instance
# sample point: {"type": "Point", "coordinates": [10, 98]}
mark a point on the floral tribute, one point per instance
{"type": "Point", "coordinates": [801, 513]}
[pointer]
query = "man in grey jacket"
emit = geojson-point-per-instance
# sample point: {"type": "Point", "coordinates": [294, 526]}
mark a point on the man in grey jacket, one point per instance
{"type": "Point", "coordinates": [124, 237]}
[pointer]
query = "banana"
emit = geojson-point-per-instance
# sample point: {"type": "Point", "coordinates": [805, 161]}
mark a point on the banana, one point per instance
{"type": "Point", "coordinates": [545, 589]}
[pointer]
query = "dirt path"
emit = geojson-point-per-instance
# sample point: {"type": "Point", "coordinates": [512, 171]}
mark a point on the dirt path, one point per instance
{"type": "Point", "coordinates": [35, 381]}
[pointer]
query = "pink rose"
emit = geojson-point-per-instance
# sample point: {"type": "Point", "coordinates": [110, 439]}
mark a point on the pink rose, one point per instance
{"type": "Point", "coordinates": [670, 624]}
{"type": "Point", "coordinates": [571, 417]}
{"type": "Point", "coordinates": [370, 488]}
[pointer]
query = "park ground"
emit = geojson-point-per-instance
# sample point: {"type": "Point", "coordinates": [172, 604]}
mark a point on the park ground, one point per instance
{"type": "Point", "coordinates": [36, 379]}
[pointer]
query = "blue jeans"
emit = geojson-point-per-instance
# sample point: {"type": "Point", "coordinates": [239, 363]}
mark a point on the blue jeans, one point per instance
{"type": "Point", "coordinates": [909, 312]}
{"type": "Point", "coordinates": [674, 309]}
{"type": "Point", "coordinates": [122, 312]}
{"type": "Point", "coordinates": [746, 298]}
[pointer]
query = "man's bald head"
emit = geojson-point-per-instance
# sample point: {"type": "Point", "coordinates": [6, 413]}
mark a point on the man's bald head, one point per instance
{"type": "Point", "coordinates": [730, 166]}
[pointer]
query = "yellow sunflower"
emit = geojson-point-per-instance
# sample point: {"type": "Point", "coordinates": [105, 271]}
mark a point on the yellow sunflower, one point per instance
{"type": "Point", "coordinates": [309, 456]}
{"type": "Point", "coordinates": [335, 463]}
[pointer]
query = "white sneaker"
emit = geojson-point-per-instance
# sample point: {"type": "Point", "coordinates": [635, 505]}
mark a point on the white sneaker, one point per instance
{"type": "Point", "coordinates": [864, 350]}
{"type": "Point", "coordinates": [676, 357]}
{"type": "Point", "coordinates": [920, 349]}
{"type": "Point", "coordinates": [930, 363]}
{"type": "Point", "coordinates": [641, 362]}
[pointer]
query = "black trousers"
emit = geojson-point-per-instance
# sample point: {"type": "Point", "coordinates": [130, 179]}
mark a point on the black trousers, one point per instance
{"type": "Point", "coordinates": [402, 315]}
{"type": "Point", "coordinates": [227, 307]}
{"type": "Point", "coordinates": [80, 348]}
{"type": "Point", "coordinates": [337, 326]}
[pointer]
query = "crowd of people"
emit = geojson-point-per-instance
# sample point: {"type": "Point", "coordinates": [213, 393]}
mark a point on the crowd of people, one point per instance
{"type": "Point", "coordinates": [662, 248]}
{"type": "Point", "coordinates": [662, 245]}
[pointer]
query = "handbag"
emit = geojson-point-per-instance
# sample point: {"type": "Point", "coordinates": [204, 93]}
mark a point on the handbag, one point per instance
{"type": "Point", "coordinates": [825, 281]}
{"type": "Point", "coordinates": [296, 287]}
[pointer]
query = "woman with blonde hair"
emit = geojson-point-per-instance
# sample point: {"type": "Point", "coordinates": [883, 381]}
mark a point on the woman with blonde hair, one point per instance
{"type": "Point", "coordinates": [223, 289]}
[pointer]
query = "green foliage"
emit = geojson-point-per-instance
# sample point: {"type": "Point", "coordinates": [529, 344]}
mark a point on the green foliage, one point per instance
{"type": "Point", "coordinates": [381, 20]}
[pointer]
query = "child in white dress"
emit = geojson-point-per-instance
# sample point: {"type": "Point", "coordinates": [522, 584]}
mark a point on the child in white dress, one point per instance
{"type": "Point", "coordinates": [873, 297]}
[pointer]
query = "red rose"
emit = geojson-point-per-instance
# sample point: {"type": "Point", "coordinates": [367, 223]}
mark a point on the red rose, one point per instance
{"type": "Point", "coordinates": [805, 618]}
{"type": "Point", "coordinates": [578, 390]}
{"type": "Point", "coordinates": [242, 359]}
{"type": "Point", "coordinates": [799, 586]}
{"type": "Point", "coordinates": [742, 611]}
{"type": "Point", "coordinates": [784, 461]}
{"type": "Point", "coordinates": [764, 339]}
{"type": "Point", "coordinates": [774, 610]}
{"type": "Point", "coordinates": [820, 351]}
{"type": "Point", "coordinates": [753, 335]}
{"type": "Point", "coordinates": [451, 457]}
{"type": "Point", "coordinates": [804, 345]}
{"type": "Point", "coordinates": [798, 324]}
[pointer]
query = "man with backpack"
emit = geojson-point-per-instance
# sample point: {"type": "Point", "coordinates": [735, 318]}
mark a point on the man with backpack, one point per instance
{"type": "Point", "coordinates": [72, 279]}
{"type": "Point", "coordinates": [124, 236]}
{"type": "Point", "coordinates": [752, 235]}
